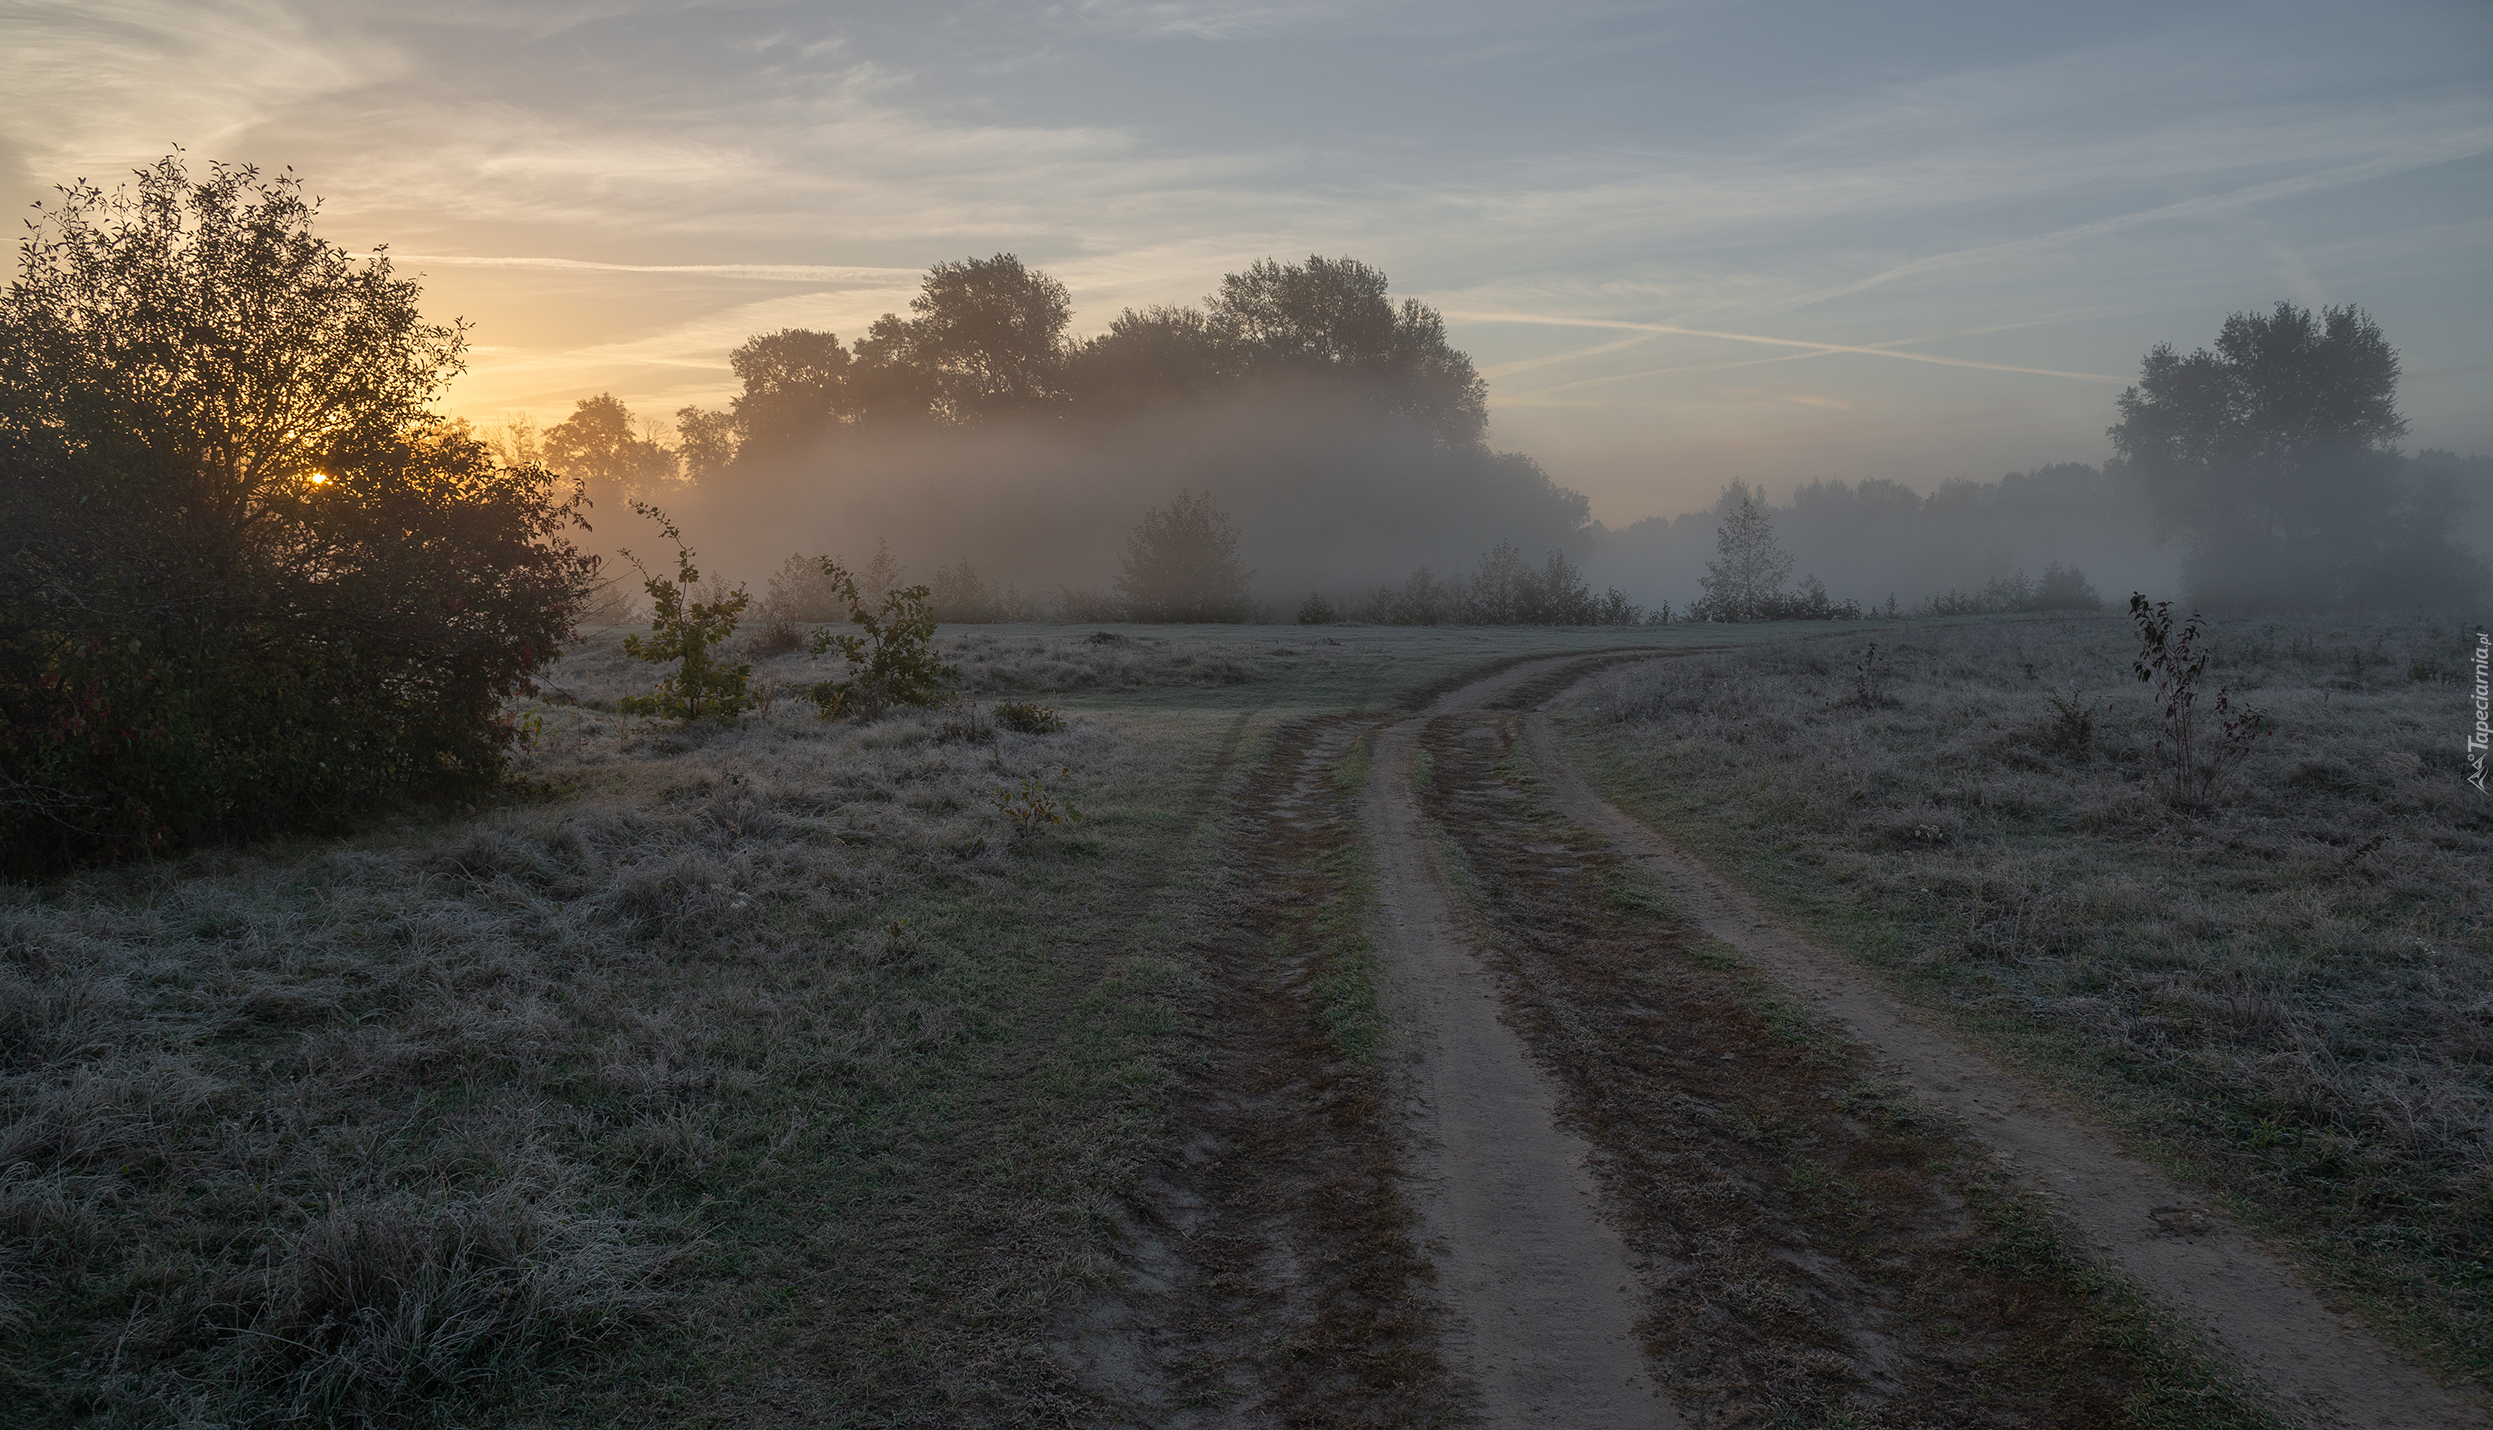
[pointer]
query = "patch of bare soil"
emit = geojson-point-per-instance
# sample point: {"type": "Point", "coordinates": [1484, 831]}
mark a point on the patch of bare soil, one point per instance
{"type": "Point", "coordinates": [1275, 1277]}
{"type": "Point", "coordinates": [1927, 1325]}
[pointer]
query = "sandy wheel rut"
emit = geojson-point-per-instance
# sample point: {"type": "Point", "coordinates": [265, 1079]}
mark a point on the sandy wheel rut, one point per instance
{"type": "Point", "coordinates": [1540, 1285]}
{"type": "Point", "coordinates": [1548, 1292]}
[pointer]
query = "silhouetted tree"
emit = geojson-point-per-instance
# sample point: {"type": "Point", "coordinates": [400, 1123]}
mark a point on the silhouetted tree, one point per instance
{"type": "Point", "coordinates": [252, 579]}
{"type": "Point", "coordinates": [1745, 580]}
{"type": "Point", "coordinates": [1181, 564]}
{"type": "Point", "coordinates": [2276, 457]}
{"type": "Point", "coordinates": [705, 442]}
{"type": "Point", "coordinates": [988, 341]}
{"type": "Point", "coordinates": [597, 446]}
{"type": "Point", "coordinates": [1151, 357]}
{"type": "Point", "coordinates": [1331, 318]}
{"type": "Point", "coordinates": [796, 389]}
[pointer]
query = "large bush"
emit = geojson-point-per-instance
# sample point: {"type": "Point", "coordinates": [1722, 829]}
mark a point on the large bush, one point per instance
{"type": "Point", "coordinates": [1181, 564]}
{"type": "Point", "coordinates": [252, 581]}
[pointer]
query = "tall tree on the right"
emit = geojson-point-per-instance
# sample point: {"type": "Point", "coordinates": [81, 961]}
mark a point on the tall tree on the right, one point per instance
{"type": "Point", "coordinates": [2275, 457]}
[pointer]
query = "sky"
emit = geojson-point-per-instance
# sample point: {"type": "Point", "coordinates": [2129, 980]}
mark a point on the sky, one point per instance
{"type": "Point", "coordinates": [1686, 243]}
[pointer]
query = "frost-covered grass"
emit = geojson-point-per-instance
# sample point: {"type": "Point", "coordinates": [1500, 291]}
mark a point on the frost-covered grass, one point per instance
{"type": "Point", "coordinates": [733, 1073]}
{"type": "Point", "coordinates": [2289, 995]}
{"type": "Point", "coordinates": [740, 1058]}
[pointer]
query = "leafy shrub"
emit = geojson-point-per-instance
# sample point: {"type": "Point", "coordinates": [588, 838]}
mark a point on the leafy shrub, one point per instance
{"type": "Point", "coordinates": [776, 635]}
{"type": "Point", "coordinates": [1029, 719]}
{"type": "Point", "coordinates": [1318, 610]}
{"type": "Point", "coordinates": [220, 617]}
{"type": "Point", "coordinates": [1034, 806]}
{"type": "Point", "coordinates": [2174, 661]}
{"type": "Point", "coordinates": [891, 655]}
{"type": "Point", "coordinates": [2071, 729]}
{"type": "Point", "coordinates": [1870, 675]}
{"type": "Point", "coordinates": [685, 631]}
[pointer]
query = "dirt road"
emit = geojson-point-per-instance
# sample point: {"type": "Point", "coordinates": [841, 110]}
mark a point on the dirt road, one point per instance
{"type": "Point", "coordinates": [1543, 1297]}
{"type": "Point", "coordinates": [2214, 1276]}
{"type": "Point", "coordinates": [1602, 1174]}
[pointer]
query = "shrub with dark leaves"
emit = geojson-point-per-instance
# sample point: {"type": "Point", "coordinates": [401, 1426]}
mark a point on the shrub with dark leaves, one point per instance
{"type": "Point", "coordinates": [252, 581]}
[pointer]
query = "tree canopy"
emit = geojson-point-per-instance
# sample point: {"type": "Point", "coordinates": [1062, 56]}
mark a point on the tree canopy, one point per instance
{"type": "Point", "coordinates": [597, 445]}
{"type": "Point", "coordinates": [988, 340]}
{"type": "Point", "coordinates": [2275, 455]}
{"type": "Point", "coordinates": [1331, 317]}
{"type": "Point", "coordinates": [252, 578]}
{"type": "Point", "coordinates": [795, 389]}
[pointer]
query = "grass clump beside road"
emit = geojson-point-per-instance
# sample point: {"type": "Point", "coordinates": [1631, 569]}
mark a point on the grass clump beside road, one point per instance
{"type": "Point", "coordinates": [747, 1070]}
{"type": "Point", "coordinates": [2288, 994]}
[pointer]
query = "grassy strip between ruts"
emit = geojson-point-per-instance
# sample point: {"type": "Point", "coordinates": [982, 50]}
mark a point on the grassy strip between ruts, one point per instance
{"type": "Point", "coordinates": [2287, 998]}
{"type": "Point", "coordinates": [1302, 1296]}
{"type": "Point", "coordinates": [1819, 1249]}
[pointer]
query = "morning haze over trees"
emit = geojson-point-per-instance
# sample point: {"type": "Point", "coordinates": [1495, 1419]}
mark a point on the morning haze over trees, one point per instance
{"type": "Point", "coordinates": [238, 511]}
{"type": "Point", "coordinates": [259, 575]}
{"type": "Point", "coordinates": [1341, 432]}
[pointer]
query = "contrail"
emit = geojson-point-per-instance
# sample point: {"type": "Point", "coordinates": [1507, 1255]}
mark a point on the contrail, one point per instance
{"type": "Point", "coordinates": [763, 272]}
{"type": "Point", "coordinates": [1813, 349]}
{"type": "Point", "coordinates": [1510, 369]}
{"type": "Point", "coordinates": [2447, 149]}
{"type": "Point", "coordinates": [1667, 372]}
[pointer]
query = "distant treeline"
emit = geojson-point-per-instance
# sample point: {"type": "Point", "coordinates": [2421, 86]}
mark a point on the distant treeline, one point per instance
{"type": "Point", "coordinates": [1334, 424]}
{"type": "Point", "coordinates": [989, 343]}
{"type": "Point", "coordinates": [1879, 542]}
{"type": "Point", "coordinates": [1348, 439]}
{"type": "Point", "coordinates": [1503, 589]}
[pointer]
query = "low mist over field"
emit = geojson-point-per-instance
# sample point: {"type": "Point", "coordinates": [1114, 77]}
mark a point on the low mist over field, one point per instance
{"type": "Point", "coordinates": [1351, 447]}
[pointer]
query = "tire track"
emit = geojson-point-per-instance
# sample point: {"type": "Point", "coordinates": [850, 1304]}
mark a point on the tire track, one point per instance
{"type": "Point", "coordinates": [2202, 1268]}
{"type": "Point", "coordinates": [1544, 1299]}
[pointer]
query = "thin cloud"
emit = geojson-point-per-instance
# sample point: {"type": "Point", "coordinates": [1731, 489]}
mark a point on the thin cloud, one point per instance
{"type": "Point", "coordinates": [1814, 348]}
{"type": "Point", "coordinates": [757, 272]}
{"type": "Point", "coordinates": [2424, 155]}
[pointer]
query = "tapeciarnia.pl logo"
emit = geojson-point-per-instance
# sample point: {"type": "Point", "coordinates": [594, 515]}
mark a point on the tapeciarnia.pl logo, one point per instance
{"type": "Point", "coordinates": [2482, 737]}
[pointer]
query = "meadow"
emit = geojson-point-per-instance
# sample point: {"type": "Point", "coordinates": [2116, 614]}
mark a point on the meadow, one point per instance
{"type": "Point", "coordinates": [2287, 996]}
{"type": "Point", "coordinates": [711, 1073]}
{"type": "Point", "coordinates": [793, 1070]}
